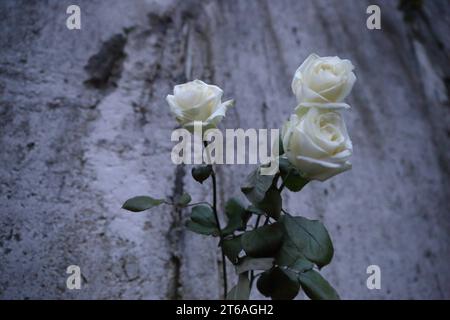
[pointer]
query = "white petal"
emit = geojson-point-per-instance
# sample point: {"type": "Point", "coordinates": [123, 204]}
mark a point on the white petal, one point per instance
{"type": "Point", "coordinates": [220, 113]}
{"type": "Point", "coordinates": [320, 169]}
{"type": "Point", "coordinates": [308, 95]}
{"type": "Point", "coordinates": [302, 144]}
{"type": "Point", "coordinates": [202, 111]}
{"type": "Point", "coordinates": [298, 73]}
{"type": "Point", "coordinates": [327, 105]}
{"type": "Point", "coordinates": [174, 108]}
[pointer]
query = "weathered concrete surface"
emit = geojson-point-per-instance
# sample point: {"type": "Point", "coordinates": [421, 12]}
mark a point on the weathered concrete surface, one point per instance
{"type": "Point", "coordinates": [84, 126]}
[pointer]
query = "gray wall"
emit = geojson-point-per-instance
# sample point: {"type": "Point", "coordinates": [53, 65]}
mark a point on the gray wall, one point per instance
{"type": "Point", "coordinates": [84, 126]}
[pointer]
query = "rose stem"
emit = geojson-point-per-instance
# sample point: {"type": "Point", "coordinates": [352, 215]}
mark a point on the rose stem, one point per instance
{"type": "Point", "coordinates": [224, 262]}
{"type": "Point", "coordinates": [216, 216]}
{"type": "Point", "coordinates": [252, 273]}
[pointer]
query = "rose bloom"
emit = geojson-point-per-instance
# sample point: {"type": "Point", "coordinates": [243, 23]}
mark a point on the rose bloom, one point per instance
{"type": "Point", "coordinates": [323, 80]}
{"type": "Point", "coordinates": [316, 142]}
{"type": "Point", "coordinates": [199, 103]}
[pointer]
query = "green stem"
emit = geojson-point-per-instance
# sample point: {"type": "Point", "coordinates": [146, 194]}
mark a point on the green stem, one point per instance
{"type": "Point", "coordinates": [257, 222]}
{"type": "Point", "coordinates": [188, 205]}
{"type": "Point", "coordinates": [197, 203]}
{"type": "Point", "coordinates": [216, 216]}
{"type": "Point", "coordinates": [252, 273]}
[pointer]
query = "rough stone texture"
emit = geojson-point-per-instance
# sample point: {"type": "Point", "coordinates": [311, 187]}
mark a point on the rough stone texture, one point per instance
{"type": "Point", "coordinates": [84, 126]}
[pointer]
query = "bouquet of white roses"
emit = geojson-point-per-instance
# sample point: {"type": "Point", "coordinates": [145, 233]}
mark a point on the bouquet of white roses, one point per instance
{"type": "Point", "coordinates": [282, 252]}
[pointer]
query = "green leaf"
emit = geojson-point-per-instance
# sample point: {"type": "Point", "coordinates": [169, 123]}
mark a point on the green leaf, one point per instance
{"type": "Point", "coordinates": [310, 238]}
{"type": "Point", "coordinates": [247, 264]}
{"type": "Point", "coordinates": [291, 257]}
{"type": "Point", "coordinates": [203, 221]}
{"type": "Point", "coordinates": [288, 252]}
{"type": "Point", "coordinates": [316, 287]}
{"type": "Point", "coordinates": [272, 203]}
{"type": "Point", "coordinates": [184, 200]}
{"type": "Point", "coordinates": [265, 283]}
{"type": "Point", "coordinates": [279, 284]}
{"type": "Point", "coordinates": [237, 216]}
{"type": "Point", "coordinates": [263, 241]}
{"type": "Point", "coordinates": [200, 229]}
{"type": "Point", "coordinates": [293, 179]}
{"type": "Point", "coordinates": [255, 210]}
{"type": "Point", "coordinates": [302, 265]}
{"type": "Point", "coordinates": [141, 203]}
{"type": "Point", "coordinates": [232, 248]}
{"type": "Point", "coordinates": [256, 185]}
{"type": "Point", "coordinates": [202, 172]}
{"type": "Point", "coordinates": [241, 291]}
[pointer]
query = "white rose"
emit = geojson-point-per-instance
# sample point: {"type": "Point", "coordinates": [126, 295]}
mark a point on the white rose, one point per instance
{"type": "Point", "coordinates": [197, 102]}
{"type": "Point", "coordinates": [323, 80]}
{"type": "Point", "coordinates": [316, 142]}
